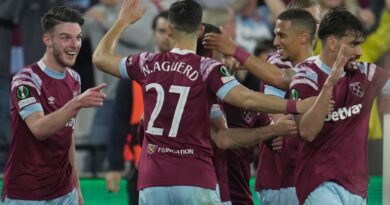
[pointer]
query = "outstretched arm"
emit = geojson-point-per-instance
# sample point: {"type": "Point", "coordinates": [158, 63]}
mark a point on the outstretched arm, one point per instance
{"type": "Point", "coordinates": [104, 56]}
{"type": "Point", "coordinates": [244, 98]}
{"type": "Point", "coordinates": [263, 70]}
{"type": "Point", "coordinates": [226, 138]}
{"type": "Point", "coordinates": [44, 126]}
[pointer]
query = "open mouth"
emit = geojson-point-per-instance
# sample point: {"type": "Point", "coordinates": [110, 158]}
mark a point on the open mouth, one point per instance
{"type": "Point", "coordinates": [71, 53]}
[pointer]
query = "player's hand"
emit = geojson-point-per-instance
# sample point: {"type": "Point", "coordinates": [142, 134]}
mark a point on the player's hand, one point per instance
{"type": "Point", "coordinates": [231, 63]}
{"type": "Point", "coordinates": [92, 97]}
{"type": "Point", "coordinates": [113, 179]}
{"type": "Point", "coordinates": [277, 144]}
{"type": "Point", "coordinates": [338, 67]}
{"type": "Point", "coordinates": [220, 42]}
{"type": "Point", "coordinates": [130, 11]}
{"type": "Point", "coordinates": [286, 125]}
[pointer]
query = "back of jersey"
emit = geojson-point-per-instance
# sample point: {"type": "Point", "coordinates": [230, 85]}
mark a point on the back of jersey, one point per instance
{"type": "Point", "coordinates": [178, 89]}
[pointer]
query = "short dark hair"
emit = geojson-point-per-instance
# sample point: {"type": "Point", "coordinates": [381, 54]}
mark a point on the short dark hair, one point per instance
{"type": "Point", "coordinates": [300, 17]}
{"type": "Point", "coordinates": [185, 15]}
{"type": "Point", "coordinates": [162, 14]}
{"type": "Point", "coordinates": [58, 15]}
{"type": "Point", "coordinates": [303, 4]}
{"type": "Point", "coordinates": [200, 49]}
{"type": "Point", "coordinates": [262, 46]}
{"type": "Point", "coordinates": [338, 22]}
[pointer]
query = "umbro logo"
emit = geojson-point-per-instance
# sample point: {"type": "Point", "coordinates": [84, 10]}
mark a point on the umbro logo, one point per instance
{"type": "Point", "coordinates": [51, 100]}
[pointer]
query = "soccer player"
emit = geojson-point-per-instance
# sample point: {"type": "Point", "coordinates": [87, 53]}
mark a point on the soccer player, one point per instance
{"type": "Point", "coordinates": [237, 119]}
{"type": "Point", "coordinates": [178, 89]}
{"type": "Point", "coordinates": [332, 167]}
{"type": "Point", "coordinates": [295, 31]}
{"type": "Point", "coordinates": [45, 99]}
{"type": "Point", "coordinates": [127, 108]}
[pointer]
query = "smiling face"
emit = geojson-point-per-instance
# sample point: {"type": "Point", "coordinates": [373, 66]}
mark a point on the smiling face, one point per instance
{"type": "Point", "coordinates": [285, 40]}
{"type": "Point", "coordinates": [63, 43]}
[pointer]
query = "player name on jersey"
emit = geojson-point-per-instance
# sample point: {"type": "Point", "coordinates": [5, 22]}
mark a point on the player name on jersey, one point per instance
{"type": "Point", "coordinates": [166, 66]}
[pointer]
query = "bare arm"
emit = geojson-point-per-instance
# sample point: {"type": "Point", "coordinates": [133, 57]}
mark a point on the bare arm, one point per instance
{"type": "Point", "coordinates": [44, 126]}
{"type": "Point", "coordinates": [263, 70]}
{"type": "Point", "coordinates": [104, 56]}
{"type": "Point", "coordinates": [244, 98]}
{"type": "Point", "coordinates": [75, 175]}
{"type": "Point", "coordinates": [311, 122]}
{"type": "Point", "coordinates": [226, 138]}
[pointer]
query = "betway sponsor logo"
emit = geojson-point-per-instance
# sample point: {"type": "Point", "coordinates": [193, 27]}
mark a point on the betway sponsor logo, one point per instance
{"type": "Point", "coordinates": [344, 113]}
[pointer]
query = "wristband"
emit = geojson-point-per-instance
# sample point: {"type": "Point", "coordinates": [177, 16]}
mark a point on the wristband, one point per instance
{"type": "Point", "coordinates": [241, 55]}
{"type": "Point", "coordinates": [291, 107]}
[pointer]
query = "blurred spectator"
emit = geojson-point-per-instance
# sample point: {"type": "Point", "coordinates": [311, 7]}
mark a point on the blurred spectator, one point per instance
{"type": "Point", "coordinates": [99, 19]}
{"type": "Point", "coordinates": [224, 17]}
{"type": "Point", "coordinates": [9, 17]}
{"type": "Point", "coordinates": [252, 25]}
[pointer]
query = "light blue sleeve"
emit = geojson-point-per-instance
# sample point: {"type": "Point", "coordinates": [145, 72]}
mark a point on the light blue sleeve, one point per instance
{"type": "Point", "coordinates": [269, 90]}
{"type": "Point", "coordinates": [123, 69]}
{"type": "Point", "coordinates": [28, 110]}
{"type": "Point", "coordinates": [216, 111]}
{"type": "Point", "coordinates": [224, 90]}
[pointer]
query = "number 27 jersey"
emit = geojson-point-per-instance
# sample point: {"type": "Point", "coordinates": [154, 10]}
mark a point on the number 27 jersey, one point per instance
{"type": "Point", "coordinates": [179, 88]}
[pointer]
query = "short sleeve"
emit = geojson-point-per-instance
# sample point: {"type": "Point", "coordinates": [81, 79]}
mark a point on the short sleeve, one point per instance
{"type": "Point", "coordinates": [133, 67]}
{"type": "Point", "coordinates": [380, 79]}
{"type": "Point", "coordinates": [304, 85]}
{"type": "Point", "coordinates": [25, 94]}
{"type": "Point", "coordinates": [217, 77]}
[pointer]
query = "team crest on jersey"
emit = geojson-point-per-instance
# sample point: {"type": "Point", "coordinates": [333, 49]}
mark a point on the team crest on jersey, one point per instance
{"type": "Point", "coordinates": [248, 117]}
{"type": "Point", "coordinates": [294, 94]}
{"type": "Point", "coordinates": [357, 89]}
{"type": "Point", "coordinates": [151, 148]}
{"type": "Point", "coordinates": [22, 92]}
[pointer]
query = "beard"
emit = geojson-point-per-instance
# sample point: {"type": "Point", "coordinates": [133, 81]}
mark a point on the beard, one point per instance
{"type": "Point", "coordinates": [59, 56]}
{"type": "Point", "coordinates": [352, 64]}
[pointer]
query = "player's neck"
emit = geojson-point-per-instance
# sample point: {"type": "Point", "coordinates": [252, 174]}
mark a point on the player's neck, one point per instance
{"type": "Point", "coordinates": [302, 56]}
{"type": "Point", "coordinates": [52, 64]}
{"type": "Point", "coordinates": [327, 58]}
{"type": "Point", "coordinates": [186, 44]}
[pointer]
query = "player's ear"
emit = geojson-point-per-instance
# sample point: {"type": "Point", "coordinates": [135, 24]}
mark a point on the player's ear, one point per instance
{"type": "Point", "coordinates": [304, 38]}
{"type": "Point", "coordinates": [331, 42]}
{"type": "Point", "coordinates": [169, 30]}
{"type": "Point", "coordinates": [46, 39]}
{"type": "Point", "coordinates": [201, 31]}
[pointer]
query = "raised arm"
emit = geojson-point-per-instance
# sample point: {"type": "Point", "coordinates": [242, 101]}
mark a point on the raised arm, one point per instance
{"type": "Point", "coordinates": [263, 70]}
{"type": "Point", "coordinates": [312, 121]}
{"type": "Point", "coordinates": [104, 56]}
